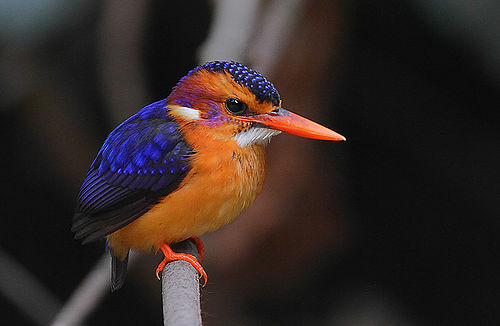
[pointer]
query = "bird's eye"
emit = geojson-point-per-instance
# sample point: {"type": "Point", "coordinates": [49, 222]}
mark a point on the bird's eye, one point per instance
{"type": "Point", "coordinates": [235, 106]}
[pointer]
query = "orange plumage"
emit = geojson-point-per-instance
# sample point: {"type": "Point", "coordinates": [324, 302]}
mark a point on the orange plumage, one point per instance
{"type": "Point", "coordinates": [223, 181]}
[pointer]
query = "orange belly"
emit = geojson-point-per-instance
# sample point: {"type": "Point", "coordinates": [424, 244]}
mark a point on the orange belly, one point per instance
{"type": "Point", "coordinates": [219, 186]}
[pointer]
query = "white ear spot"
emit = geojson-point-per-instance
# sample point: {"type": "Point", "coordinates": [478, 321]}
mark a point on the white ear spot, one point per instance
{"type": "Point", "coordinates": [255, 135]}
{"type": "Point", "coordinates": [185, 112]}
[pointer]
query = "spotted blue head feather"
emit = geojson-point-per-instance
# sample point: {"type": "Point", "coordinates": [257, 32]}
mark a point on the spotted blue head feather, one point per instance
{"type": "Point", "coordinates": [262, 88]}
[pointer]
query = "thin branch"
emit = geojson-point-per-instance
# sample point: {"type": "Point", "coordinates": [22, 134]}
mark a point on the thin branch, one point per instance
{"type": "Point", "coordinates": [122, 72]}
{"type": "Point", "coordinates": [181, 289]}
{"type": "Point", "coordinates": [87, 296]}
{"type": "Point", "coordinates": [89, 293]}
{"type": "Point", "coordinates": [22, 288]}
{"type": "Point", "coordinates": [230, 31]}
{"type": "Point", "coordinates": [273, 33]}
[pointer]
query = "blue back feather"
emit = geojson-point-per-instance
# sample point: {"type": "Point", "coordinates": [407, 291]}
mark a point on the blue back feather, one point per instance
{"type": "Point", "coordinates": [142, 160]}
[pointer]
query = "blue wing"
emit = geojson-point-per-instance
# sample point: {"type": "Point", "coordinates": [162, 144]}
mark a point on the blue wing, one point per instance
{"type": "Point", "coordinates": [142, 160]}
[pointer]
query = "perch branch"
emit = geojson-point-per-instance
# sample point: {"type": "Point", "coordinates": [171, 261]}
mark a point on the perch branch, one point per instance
{"type": "Point", "coordinates": [22, 289]}
{"type": "Point", "coordinates": [181, 289]}
{"type": "Point", "coordinates": [90, 292]}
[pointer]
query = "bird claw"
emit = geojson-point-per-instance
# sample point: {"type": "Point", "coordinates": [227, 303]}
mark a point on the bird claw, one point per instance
{"type": "Point", "coordinates": [170, 255]}
{"type": "Point", "coordinates": [159, 269]}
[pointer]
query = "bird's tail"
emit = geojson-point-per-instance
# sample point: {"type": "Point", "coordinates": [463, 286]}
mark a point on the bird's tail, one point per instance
{"type": "Point", "coordinates": [118, 271]}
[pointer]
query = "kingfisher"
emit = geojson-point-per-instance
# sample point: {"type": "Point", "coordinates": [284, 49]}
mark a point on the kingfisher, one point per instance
{"type": "Point", "coordinates": [184, 165]}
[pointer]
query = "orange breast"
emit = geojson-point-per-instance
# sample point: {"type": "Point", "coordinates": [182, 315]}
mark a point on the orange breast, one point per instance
{"type": "Point", "coordinates": [224, 180]}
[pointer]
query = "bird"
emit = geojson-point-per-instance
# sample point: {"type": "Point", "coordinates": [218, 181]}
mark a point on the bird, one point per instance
{"type": "Point", "coordinates": [185, 165]}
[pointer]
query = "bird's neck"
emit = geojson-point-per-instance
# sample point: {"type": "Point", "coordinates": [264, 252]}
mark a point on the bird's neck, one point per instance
{"type": "Point", "coordinates": [213, 153]}
{"type": "Point", "coordinates": [207, 144]}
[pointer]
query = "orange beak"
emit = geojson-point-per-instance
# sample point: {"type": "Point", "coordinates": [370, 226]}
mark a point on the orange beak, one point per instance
{"type": "Point", "coordinates": [293, 124]}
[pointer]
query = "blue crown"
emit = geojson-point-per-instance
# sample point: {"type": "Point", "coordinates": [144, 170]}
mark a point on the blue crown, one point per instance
{"type": "Point", "coordinates": [263, 90]}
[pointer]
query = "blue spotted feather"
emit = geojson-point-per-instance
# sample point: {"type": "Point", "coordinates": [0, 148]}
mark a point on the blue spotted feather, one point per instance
{"type": "Point", "coordinates": [142, 160]}
{"type": "Point", "coordinates": [262, 88]}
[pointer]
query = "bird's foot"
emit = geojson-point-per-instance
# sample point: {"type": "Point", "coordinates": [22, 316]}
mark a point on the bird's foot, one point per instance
{"type": "Point", "coordinates": [199, 245]}
{"type": "Point", "coordinates": [170, 255]}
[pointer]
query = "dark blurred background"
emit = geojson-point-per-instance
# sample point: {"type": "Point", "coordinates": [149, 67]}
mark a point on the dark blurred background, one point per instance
{"type": "Point", "coordinates": [397, 226]}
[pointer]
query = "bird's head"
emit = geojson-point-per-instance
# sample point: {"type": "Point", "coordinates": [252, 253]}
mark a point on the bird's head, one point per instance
{"type": "Point", "coordinates": [230, 101]}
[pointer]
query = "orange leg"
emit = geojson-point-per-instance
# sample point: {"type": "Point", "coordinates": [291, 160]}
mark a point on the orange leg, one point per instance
{"type": "Point", "coordinates": [170, 255]}
{"type": "Point", "coordinates": [199, 245]}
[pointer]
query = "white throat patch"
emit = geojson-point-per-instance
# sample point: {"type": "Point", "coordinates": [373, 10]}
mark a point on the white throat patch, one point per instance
{"type": "Point", "coordinates": [255, 135]}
